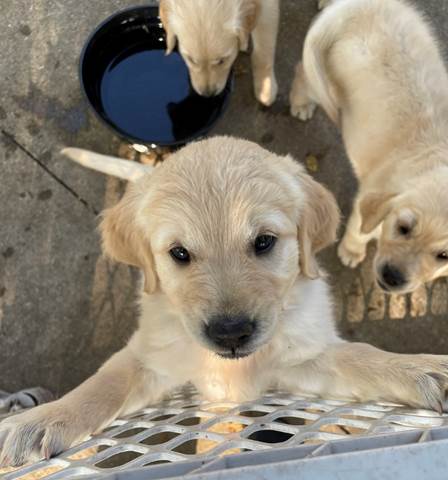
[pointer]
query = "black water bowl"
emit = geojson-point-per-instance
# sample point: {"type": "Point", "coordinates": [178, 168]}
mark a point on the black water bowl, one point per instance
{"type": "Point", "coordinates": [143, 94]}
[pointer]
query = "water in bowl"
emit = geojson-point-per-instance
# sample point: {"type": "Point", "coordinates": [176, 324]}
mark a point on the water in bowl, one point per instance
{"type": "Point", "coordinates": [147, 95]}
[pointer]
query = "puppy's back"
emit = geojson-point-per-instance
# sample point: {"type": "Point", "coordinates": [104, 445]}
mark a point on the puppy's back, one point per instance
{"type": "Point", "coordinates": [379, 51]}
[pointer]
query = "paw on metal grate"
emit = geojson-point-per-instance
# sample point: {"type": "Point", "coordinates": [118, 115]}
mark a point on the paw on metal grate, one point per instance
{"type": "Point", "coordinates": [185, 435]}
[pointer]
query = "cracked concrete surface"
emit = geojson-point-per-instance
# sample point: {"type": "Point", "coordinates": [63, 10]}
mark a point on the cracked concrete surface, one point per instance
{"type": "Point", "coordinates": [63, 308]}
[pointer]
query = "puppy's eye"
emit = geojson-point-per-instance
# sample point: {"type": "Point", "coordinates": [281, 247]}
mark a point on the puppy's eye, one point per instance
{"type": "Point", "coordinates": [180, 255]}
{"type": "Point", "coordinates": [190, 60]}
{"type": "Point", "coordinates": [404, 230]}
{"type": "Point", "coordinates": [264, 243]}
{"type": "Point", "coordinates": [220, 61]}
{"type": "Point", "coordinates": [442, 256]}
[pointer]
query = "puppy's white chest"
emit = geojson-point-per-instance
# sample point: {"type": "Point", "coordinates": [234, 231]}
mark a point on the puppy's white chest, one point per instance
{"type": "Point", "coordinates": [233, 380]}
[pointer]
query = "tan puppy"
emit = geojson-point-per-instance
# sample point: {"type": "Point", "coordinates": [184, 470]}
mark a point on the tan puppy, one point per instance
{"type": "Point", "coordinates": [226, 235]}
{"type": "Point", "coordinates": [210, 33]}
{"type": "Point", "coordinates": [375, 68]}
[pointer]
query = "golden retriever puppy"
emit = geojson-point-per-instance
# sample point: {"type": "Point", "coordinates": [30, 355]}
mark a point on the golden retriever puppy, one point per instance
{"type": "Point", "coordinates": [232, 300]}
{"type": "Point", "coordinates": [375, 67]}
{"type": "Point", "coordinates": [210, 33]}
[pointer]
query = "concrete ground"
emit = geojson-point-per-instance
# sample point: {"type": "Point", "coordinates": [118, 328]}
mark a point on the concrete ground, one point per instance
{"type": "Point", "coordinates": [63, 308]}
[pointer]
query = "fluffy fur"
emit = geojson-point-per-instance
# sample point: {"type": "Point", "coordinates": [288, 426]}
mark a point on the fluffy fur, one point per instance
{"type": "Point", "coordinates": [375, 67]}
{"type": "Point", "coordinates": [210, 33]}
{"type": "Point", "coordinates": [214, 198]}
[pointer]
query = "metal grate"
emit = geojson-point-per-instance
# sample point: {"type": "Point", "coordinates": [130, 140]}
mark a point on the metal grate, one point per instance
{"type": "Point", "coordinates": [184, 433]}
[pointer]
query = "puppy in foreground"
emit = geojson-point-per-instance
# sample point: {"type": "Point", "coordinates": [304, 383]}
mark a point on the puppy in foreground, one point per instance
{"type": "Point", "coordinates": [375, 67]}
{"type": "Point", "coordinates": [210, 33]}
{"type": "Point", "coordinates": [233, 300]}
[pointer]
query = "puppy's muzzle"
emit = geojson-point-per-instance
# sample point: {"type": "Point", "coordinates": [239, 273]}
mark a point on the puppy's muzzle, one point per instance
{"type": "Point", "coordinates": [391, 278]}
{"type": "Point", "coordinates": [230, 333]}
{"type": "Point", "coordinates": [209, 92]}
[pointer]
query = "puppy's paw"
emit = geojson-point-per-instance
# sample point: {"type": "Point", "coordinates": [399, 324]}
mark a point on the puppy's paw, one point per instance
{"type": "Point", "coordinates": [321, 4]}
{"type": "Point", "coordinates": [41, 432]}
{"type": "Point", "coordinates": [266, 89]}
{"type": "Point", "coordinates": [303, 112]}
{"type": "Point", "coordinates": [424, 380]}
{"type": "Point", "coordinates": [351, 254]}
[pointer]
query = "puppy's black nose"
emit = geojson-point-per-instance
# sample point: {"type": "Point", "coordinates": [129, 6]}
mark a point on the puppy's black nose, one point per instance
{"type": "Point", "coordinates": [230, 332]}
{"type": "Point", "coordinates": [392, 277]}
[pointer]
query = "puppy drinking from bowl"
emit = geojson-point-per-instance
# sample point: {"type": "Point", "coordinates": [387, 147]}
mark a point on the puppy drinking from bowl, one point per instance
{"type": "Point", "coordinates": [233, 300]}
{"type": "Point", "coordinates": [210, 33]}
{"type": "Point", "coordinates": [375, 67]}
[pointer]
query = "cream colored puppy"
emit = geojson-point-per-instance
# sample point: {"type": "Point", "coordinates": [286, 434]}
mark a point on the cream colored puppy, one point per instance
{"type": "Point", "coordinates": [210, 33]}
{"type": "Point", "coordinates": [375, 67]}
{"type": "Point", "coordinates": [226, 235]}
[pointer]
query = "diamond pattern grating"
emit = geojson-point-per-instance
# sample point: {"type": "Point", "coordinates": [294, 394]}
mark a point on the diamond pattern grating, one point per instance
{"type": "Point", "coordinates": [185, 428]}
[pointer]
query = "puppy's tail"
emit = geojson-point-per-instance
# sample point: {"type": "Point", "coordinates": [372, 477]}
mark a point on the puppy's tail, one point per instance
{"type": "Point", "coordinates": [125, 169]}
{"type": "Point", "coordinates": [318, 43]}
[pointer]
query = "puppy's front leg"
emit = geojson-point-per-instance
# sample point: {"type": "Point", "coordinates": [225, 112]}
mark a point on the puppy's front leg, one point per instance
{"type": "Point", "coordinates": [119, 387]}
{"type": "Point", "coordinates": [264, 37]}
{"type": "Point", "coordinates": [353, 246]}
{"type": "Point", "coordinates": [360, 372]}
{"type": "Point", "coordinates": [302, 105]}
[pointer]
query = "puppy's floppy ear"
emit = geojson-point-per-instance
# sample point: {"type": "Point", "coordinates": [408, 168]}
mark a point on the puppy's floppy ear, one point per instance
{"type": "Point", "coordinates": [123, 242]}
{"type": "Point", "coordinates": [250, 10]}
{"type": "Point", "coordinates": [317, 226]}
{"type": "Point", "coordinates": [164, 14]}
{"type": "Point", "coordinates": [374, 207]}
